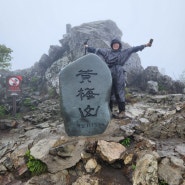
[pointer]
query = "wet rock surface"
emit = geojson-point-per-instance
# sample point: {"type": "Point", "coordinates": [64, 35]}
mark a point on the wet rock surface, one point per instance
{"type": "Point", "coordinates": [146, 148]}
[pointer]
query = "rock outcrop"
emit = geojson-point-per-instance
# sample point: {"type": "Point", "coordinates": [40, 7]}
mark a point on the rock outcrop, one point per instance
{"type": "Point", "coordinates": [99, 35]}
{"type": "Point", "coordinates": [165, 83]}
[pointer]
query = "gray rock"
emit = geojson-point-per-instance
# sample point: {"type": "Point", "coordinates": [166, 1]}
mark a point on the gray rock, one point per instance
{"type": "Point", "coordinates": [8, 124]}
{"type": "Point", "coordinates": [178, 163]}
{"type": "Point", "coordinates": [85, 87]}
{"type": "Point", "coordinates": [152, 87]}
{"type": "Point", "coordinates": [86, 180]}
{"type": "Point", "coordinates": [57, 163]}
{"type": "Point", "coordinates": [180, 149]}
{"type": "Point", "coordinates": [50, 179]}
{"type": "Point", "coordinates": [41, 149]}
{"type": "Point", "coordinates": [109, 151]}
{"type": "Point", "coordinates": [170, 173]}
{"type": "Point", "coordinates": [91, 165]}
{"type": "Point", "coordinates": [6, 148]}
{"type": "Point", "coordinates": [3, 170]}
{"type": "Point", "coordinates": [165, 83]}
{"type": "Point", "coordinates": [146, 170]}
{"type": "Point", "coordinates": [8, 163]}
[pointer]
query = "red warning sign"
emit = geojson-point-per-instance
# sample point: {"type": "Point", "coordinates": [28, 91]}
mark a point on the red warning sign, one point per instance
{"type": "Point", "coordinates": [13, 84]}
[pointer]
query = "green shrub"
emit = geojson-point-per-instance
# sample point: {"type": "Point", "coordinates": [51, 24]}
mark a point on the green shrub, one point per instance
{"type": "Point", "coordinates": [161, 87]}
{"type": "Point", "coordinates": [35, 166]}
{"type": "Point", "coordinates": [34, 82]}
{"type": "Point", "coordinates": [2, 110]}
{"type": "Point", "coordinates": [52, 92]}
{"type": "Point", "coordinates": [133, 167]}
{"type": "Point", "coordinates": [162, 182]}
{"type": "Point", "coordinates": [126, 142]}
{"type": "Point", "coordinates": [129, 96]}
{"type": "Point", "coordinates": [27, 103]}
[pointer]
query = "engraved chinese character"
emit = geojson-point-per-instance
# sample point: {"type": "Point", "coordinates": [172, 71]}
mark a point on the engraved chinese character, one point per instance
{"type": "Point", "coordinates": [88, 111]}
{"type": "Point", "coordinates": [86, 75]}
{"type": "Point", "coordinates": [88, 92]}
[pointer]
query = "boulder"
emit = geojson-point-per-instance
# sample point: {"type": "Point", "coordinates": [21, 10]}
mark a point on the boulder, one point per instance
{"type": "Point", "coordinates": [146, 170]}
{"type": "Point", "coordinates": [170, 172]}
{"type": "Point", "coordinates": [152, 87]}
{"type": "Point", "coordinates": [85, 87]}
{"type": "Point", "coordinates": [110, 151]}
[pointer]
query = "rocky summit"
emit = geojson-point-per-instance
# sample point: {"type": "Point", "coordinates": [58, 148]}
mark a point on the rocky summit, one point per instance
{"type": "Point", "coordinates": [146, 148]}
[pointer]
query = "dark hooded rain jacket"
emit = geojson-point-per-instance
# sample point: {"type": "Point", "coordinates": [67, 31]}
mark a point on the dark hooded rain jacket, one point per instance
{"type": "Point", "coordinates": [115, 59]}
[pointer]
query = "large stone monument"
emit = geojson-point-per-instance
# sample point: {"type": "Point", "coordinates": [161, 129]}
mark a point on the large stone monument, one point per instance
{"type": "Point", "coordinates": [85, 87]}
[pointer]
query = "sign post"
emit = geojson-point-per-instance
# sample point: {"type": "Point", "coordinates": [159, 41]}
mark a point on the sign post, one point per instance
{"type": "Point", "coordinates": [14, 89]}
{"type": "Point", "coordinates": [14, 95]}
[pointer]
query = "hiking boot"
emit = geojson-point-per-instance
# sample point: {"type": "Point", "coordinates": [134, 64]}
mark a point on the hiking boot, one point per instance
{"type": "Point", "coordinates": [114, 115]}
{"type": "Point", "coordinates": [121, 115]}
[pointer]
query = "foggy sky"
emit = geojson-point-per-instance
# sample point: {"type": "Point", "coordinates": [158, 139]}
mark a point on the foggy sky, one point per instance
{"type": "Point", "coordinates": [29, 27]}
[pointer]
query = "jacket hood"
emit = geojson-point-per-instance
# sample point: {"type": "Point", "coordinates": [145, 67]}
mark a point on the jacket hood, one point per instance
{"type": "Point", "coordinates": [116, 41]}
